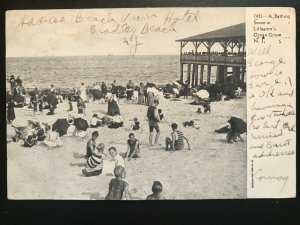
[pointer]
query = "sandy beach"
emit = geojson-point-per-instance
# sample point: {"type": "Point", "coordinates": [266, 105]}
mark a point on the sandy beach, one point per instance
{"type": "Point", "coordinates": [212, 169]}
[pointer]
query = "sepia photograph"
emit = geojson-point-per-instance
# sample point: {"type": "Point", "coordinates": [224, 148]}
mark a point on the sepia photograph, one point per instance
{"type": "Point", "coordinates": [126, 104]}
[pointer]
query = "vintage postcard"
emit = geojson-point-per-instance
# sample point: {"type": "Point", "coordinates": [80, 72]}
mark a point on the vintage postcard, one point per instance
{"type": "Point", "coordinates": [151, 103]}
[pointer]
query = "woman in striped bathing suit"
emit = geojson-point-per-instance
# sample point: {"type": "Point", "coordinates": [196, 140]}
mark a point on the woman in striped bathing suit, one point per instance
{"type": "Point", "coordinates": [177, 141]}
{"type": "Point", "coordinates": [95, 162]}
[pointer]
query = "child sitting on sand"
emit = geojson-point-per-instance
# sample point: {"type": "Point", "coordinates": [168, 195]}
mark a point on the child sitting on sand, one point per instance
{"type": "Point", "coordinates": [117, 186]}
{"type": "Point", "coordinates": [119, 161]}
{"type": "Point", "coordinates": [133, 150]}
{"type": "Point", "coordinates": [95, 162]}
{"type": "Point", "coordinates": [177, 141]}
{"type": "Point", "coordinates": [135, 125]}
{"type": "Point", "coordinates": [156, 189]}
{"type": "Point", "coordinates": [95, 121]}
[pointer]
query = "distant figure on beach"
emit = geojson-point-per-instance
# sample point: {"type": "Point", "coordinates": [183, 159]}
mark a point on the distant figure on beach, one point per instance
{"type": "Point", "coordinates": [81, 105]}
{"type": "Point", "coordinates": [34, 102]}
{"type": "Point", "coordinates": [186, 89]}
{"type": "Point", "coordinates": [129, 92]}
{"type": "Point", "coordinates": [113, 85]}
{"type": "Point", "coordinates": [151, 91]}
{"type": "Point", "coordinates": [103, 88]}
{"type": "Point", "coordinates": [70, 103]}
{"type": "Point", "coordinates": [117, 186]}
{"type": "Point", "coordinates": [141, 94]}
{"type": "Point", "coordinates": [113, 108]}
{"type": "Point", "coordinates": [95, 162]}
{"type": "Point", "coordinates": [157, 188]}
{"type": "Point", "coordinates": [12, 81]}
{"type": "Point", "coordinates": [177, 141]}
{"type": "Point", "coordinates": [119, 161]}
{"type": "Point", "coordinates": [83, 92]}
{"type": "Point", "coordinates": [133, 150]}
{"type": "Point", "coordinates": [52, 100]}
{"type": "Point", "coordinates": [153, 119]}
{"type": "Point", "coordinates": [91, 144]}
{"type": "Point", "coordinates": [135, 125]}
{"type": "Point", "coordinates": [52, 90]}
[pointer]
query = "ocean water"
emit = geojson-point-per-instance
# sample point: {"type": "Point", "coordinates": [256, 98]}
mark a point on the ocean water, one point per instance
{"type": "Point", "coordinates": [70, 71]}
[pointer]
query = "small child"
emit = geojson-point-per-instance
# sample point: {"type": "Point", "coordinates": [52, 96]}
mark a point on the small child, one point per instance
{"type": "Point", "coordinates": [177, 142]}
{"type": "Point", "coordinates": [161, 115]}
{"type": "Point", "coordinates": [117, 186]}
{"type": "Point", "coordinates": [95, 121]}
{"type": "Point", "coordinates": [136, 125]}
{"type": "Point", "coordinates": [95, 162]}
{"type": "Point", "coordinates": [119, 161]}
{"type": "Point", "coordinates": [156, 189]}
{"type": "Point", "coordinates": [133, 150]}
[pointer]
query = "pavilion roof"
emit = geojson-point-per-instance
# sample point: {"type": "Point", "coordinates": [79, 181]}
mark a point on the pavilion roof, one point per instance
{"type": "Point", "coordinates": [237, 30]}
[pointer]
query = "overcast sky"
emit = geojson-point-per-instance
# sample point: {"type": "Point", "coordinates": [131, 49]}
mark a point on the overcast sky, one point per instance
{"type": "Point", "coordinates": [151, 31]}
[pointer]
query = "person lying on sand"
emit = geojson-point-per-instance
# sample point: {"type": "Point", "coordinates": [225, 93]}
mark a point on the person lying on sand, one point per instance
{"type": "Point", "coordinates": [95, 162]}
{"type": "Point", "coordinates": [119, 161]}
{"type": "Point", "coordinates": [177, 141]}
{"type": "Point", "coordinates": [156, 192]}
{"type": "Point", "coordinates": [133, 150]}
{"type": "Point", "coordinates": [118, 188]}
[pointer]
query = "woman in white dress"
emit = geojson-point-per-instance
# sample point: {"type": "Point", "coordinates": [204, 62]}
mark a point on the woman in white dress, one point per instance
{"type": "Point", "coordinates": [83, 92]}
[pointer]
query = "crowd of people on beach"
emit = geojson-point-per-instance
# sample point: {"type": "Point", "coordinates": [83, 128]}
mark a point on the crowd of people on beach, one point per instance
{"type": "Point", "coordinates": [34, 132]}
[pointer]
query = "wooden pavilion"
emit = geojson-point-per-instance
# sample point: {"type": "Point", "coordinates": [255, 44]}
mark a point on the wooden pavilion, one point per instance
{"type": "Point", "coordinates": [232, 40]}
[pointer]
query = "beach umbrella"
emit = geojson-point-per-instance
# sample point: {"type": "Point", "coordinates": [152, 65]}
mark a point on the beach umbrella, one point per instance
{"type": "Point", "coordinates": [203, 94]}
{"type": "Point", "coordinates": [81, 124]}
{"type": "Point", "coordinates": [61, 126]}
{"type": "Point", "coordinates": [238, 125]}
{"type": "Point", "coordinates": [97, 94]}
{"type": "Point", "coordinates": [18, 123]}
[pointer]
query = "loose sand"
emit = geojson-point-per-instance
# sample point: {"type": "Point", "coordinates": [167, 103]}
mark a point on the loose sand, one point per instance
{"type": "Point", "coordinates": [213, 169]}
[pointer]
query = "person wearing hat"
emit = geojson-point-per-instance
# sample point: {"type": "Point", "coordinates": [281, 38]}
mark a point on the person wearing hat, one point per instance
{"type": "Point", "coordinates": [95, 121]}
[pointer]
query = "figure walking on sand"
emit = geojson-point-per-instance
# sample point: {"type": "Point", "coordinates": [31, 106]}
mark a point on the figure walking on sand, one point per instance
{"type": "Point", "coordinates": [83, 92]}
{"type": "Point", "coordinates": [153, 118]}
